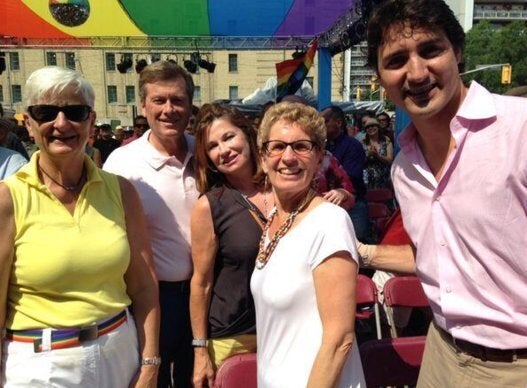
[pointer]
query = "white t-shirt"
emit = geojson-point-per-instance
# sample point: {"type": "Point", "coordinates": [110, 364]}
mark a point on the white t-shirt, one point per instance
{"type": "Point", "coordinates": [168, 192]}
{"type": "Point", "coordinates": [287, 319]}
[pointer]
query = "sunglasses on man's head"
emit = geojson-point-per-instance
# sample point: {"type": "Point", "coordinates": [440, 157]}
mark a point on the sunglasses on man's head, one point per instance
{"type": "Point", "coordinates": [45, 113]}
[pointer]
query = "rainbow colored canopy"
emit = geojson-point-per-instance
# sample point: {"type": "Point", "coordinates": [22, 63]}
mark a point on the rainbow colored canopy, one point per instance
{"type": "Point", "coordinates": [161, 18]}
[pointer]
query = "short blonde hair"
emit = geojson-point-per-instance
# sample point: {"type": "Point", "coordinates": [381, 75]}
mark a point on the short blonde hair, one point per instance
{"type": "Point", "coordinates": [305, 116]}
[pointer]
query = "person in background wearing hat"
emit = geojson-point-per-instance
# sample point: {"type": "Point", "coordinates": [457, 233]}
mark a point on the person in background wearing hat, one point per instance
{"type": "Point", "coordinates": [118, 133]}
{"type": "Point", "coordinates": [379, 155]}
{"type": "Point", "coordinates": [106, 143]}
{"type": "Point", "coordinates": [140, 127]}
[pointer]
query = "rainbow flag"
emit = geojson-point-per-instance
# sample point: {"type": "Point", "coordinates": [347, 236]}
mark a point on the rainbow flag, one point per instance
{"type": "Point", "coordinates": [291, 73]}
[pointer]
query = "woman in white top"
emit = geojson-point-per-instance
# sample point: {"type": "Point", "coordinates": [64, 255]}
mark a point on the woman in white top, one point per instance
{"type": "Point", "coordinates": [306, 269]}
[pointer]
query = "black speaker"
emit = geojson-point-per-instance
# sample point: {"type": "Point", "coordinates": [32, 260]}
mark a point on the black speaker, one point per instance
{"type": "Point", "coordinates": [124, 65]}
{"type": "Point", "coordinates": [140, 64]}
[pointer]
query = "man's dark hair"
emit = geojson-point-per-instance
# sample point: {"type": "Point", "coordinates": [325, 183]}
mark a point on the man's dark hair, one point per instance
{"type": "Point", "coordinates": [431, 15]}
{"type": "Point", "coordinates": [338, 114]}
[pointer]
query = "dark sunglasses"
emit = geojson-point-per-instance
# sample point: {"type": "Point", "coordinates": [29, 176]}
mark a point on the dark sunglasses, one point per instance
{"type": "Point", "coordinates": [371, 126]}
{"type": "Point", "coordinates": [45, 113]}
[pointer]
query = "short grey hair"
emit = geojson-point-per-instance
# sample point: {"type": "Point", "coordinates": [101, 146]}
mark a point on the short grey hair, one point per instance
{"type": "Point", "coordinates": [50, 81]}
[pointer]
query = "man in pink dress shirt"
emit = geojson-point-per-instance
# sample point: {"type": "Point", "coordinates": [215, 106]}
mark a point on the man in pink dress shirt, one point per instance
{"type": "Point", "coordinates": [461, 181]}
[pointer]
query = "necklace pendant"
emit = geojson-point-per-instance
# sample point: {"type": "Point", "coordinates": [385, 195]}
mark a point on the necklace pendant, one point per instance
{"type": "Point", "coordinates": [260, 264]}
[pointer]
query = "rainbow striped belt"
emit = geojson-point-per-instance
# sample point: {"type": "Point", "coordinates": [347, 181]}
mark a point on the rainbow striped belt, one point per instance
{"type": "Point", "coordinates": [67, 338]}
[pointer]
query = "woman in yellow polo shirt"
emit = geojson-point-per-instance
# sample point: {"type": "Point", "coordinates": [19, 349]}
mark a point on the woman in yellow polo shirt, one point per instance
{"type": "Point", "coordinates": [74, 255]}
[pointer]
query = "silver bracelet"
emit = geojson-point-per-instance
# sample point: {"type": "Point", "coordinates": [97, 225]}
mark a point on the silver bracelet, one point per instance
{"type": "Point", "coordinates": [200, 343]}
{"type": "Point", "coordinates": [156, 361]}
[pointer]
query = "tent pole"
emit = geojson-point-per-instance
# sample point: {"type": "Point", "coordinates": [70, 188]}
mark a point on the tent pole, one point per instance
{"type": "Point", "coordinates": [324, 78]}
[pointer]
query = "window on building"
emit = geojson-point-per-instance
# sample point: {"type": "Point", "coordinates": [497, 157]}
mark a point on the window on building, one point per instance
{"type": "Point", "coordinates": [233, 63]}
{"type": "Point", "coordinates": [70, 60]}
{"type": "Point", "coordinates": [112, 94]}
{"type": "Point", "coordinates": [154, 57]}
{"type": "Point", "coordinates": [1, 93]}
{"type": "Point", "coordinates": [110, 61]}
{"type": "Point", "coordinates": [130, 94]}
{"type": "Point", "coordinates": [233, 92]}
{"type": "Point", "coordinates": [16, 93]}
{"type": "Point", "coordinates": [14, 61]}
{"type": "Point", "coordinates": [51, 58]}
{"type": "Point", "coordinates": [197, 93]}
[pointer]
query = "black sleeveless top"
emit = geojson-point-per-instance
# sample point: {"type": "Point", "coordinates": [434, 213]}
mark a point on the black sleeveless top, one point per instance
{"type": "Point", "coordinates": [232, 307]}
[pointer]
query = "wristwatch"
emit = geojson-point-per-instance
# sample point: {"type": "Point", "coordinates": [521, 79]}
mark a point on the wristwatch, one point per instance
{"type": "Point", "coordinates": [200, 343]}
{"type": "Point", "coordinates": [156, 361]}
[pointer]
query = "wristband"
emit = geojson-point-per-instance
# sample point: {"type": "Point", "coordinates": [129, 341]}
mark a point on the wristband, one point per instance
{"type": "Point", "coordinates": [156, 361]}
{"type": "Point", "coordinates": [366, 253]}
{"type": "Point", "coordinates": [200, 343]}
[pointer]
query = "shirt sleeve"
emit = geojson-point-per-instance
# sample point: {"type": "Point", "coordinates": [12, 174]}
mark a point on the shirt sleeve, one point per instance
{"type": "Point", "coordinates": [15, 163]}
{"type": "Point", "coordinates": [333, 235]}
{"type": "Point", "coordinates": [353, 160]}
{"type": "Point", "coordinates": [340, 174]}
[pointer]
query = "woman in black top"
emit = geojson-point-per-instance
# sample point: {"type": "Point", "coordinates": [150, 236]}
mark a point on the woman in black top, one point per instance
{"type": "Point", "coordinates": [226, 226]}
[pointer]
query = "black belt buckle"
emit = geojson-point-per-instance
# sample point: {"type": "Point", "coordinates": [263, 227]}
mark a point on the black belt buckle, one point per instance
{"type": "Point", "coordinates": [88, 333]}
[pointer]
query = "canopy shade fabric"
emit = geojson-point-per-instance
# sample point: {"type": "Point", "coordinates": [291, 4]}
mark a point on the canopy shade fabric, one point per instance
{"type": "Point", "coordinates": [135, 18]}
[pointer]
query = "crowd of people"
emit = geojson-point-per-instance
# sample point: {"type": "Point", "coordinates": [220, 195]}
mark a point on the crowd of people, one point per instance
{"type": "Point", "coordinates": [147, 258]}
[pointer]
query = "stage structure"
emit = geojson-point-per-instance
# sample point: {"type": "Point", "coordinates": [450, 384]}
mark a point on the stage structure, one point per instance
{"type": "Point", "coordinates": [186, 25]}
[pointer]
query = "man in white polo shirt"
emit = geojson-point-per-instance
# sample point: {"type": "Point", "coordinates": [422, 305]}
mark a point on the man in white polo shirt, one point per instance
{"type": "Point", "coordinates": [160, 166]}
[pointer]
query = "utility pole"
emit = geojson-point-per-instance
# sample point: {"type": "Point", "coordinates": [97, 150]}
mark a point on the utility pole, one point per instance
{"type": "Point", "coordinates": [347, 75]}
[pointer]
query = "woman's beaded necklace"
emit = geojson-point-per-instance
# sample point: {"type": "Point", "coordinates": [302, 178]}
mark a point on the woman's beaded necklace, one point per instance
{"type": "Point", "coordinates": [265, 252]}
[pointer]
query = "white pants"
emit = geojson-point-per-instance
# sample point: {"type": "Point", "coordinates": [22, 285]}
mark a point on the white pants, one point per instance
{"type": "Point", "coordinates": [110, 361]}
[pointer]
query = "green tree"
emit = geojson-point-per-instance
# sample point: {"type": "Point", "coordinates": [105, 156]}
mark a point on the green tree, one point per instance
{"type": "Point", "coordinates": [487, 44]}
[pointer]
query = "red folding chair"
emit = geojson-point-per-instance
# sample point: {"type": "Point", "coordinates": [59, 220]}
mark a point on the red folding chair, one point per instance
{"type": "Point", "coordinates": [367, 302]}
{"type": "Point", "coordinates": [392, 361]}
{"type": "Point", "coordinates": [403, 291]}
{"type": "Point", "coordinates": [238, 371]}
